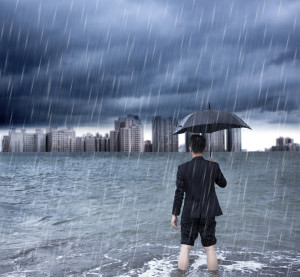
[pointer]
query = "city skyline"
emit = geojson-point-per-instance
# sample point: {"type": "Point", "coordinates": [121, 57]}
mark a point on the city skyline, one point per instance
{"type": "Point", "coordinates": [148, 135]}
{"type": "Point", "coordinates": [127, 136]}
{"type": "Point", "coordinates": [257, 139]}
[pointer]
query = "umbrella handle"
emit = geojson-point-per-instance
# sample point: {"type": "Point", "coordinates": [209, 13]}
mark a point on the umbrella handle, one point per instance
{"type": "Point", "coordinates": [209, 141]}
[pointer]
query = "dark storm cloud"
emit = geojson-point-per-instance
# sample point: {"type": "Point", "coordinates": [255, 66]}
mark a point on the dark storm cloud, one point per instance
{"type": "Point", "coordinates": [291, 56]}
{"type": "Point", "coordinates": [81, 62]}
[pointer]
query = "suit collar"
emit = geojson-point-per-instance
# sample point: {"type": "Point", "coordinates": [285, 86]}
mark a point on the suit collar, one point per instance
{"type": "Point", "coordinates": [198, 157]}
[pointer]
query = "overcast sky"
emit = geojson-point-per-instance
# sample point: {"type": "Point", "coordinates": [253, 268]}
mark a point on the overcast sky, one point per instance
{"type": "Point", "coordinates": [85, 63]}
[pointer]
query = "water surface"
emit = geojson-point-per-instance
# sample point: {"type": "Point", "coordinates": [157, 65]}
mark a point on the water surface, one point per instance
{"type": "Point", "coordinates": [108, 214]}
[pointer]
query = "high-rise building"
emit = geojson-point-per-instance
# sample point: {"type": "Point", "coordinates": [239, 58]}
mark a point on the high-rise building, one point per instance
{"type": "Point", "coordinates": [279, 144]}
{"type": "Point", "coordinates": [61, 140]}
{"type": "Point", "coordinates": [163, 139]}
{"type": "Point", "coordinates": [29, 142]}
{"type": "Point", "coordinates": [24, 142]}
{"type": "Point", "coordinates": [288, 140]}
{"type": "Point", "coordinates": [137, 138]}
{"type": "Point", "coordinates": [128, 135]}
{"type": "Point", "coordinates": [285, 144]}
{"type": "Point", "coordinates": [215, 141]}
{"type": "Point", "coordinates": [97, 142]}
{"type": "Point", "coordinates": [104, 142]}
{"type": "Point", "coordinates": [16, 141]}
{"type": "Point", "coordinates": [89, 143]}
{"type": "Point", "coordinates": [114, 141]}
{"type": "Point", "coordinates": [40, 140]}
{"type": "Point", "coordinates": [157, 134]}
{"type": "Point", "coordinates": [5, 144]}
{"type": "Point", "coordinates": [125, 139]}
{"type": "Point", "coordinates": [107, 143]}
{"type": "Point", "coordinates": [234, 141]}
{"type": "Point", "coordinates": [80, 144]}
{"type": "Point", "coordinates": [147, 146]}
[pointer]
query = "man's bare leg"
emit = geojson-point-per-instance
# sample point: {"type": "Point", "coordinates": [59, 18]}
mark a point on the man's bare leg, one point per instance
{"type": "Point", "coordinates": [212, 262]}
{"type": "Point", "coordinates": [183, 260]}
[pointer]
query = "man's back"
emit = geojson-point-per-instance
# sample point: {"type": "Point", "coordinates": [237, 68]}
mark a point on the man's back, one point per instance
{"type": "Point", "coordinates": [196, 179]}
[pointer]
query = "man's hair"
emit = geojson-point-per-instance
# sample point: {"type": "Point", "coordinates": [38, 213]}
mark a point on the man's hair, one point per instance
{"type": "Point", "coordinates": [197, 143]}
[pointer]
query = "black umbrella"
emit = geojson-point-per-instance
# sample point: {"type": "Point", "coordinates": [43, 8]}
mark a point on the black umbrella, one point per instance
{"type": "Point", "coordinates": [209, 121]}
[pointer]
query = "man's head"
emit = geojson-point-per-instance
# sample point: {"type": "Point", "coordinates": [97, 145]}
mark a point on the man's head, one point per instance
{"type": "Point", "coordinates": [197, 144]}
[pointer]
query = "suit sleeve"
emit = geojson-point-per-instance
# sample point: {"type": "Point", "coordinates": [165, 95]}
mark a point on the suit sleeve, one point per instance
{"type": "Point", "coordinates": [179, 192]}
{"type": "Point", "coordinates": [220, 179]}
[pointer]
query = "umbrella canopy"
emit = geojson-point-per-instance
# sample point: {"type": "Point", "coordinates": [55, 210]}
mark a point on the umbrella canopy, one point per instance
{"type": "Point", "coordinates": [209, 121]}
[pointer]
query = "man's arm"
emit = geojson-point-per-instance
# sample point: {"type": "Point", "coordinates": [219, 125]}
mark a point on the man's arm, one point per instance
{"type": "Point", "coordinates": [220, 179]}
{"type": "Point", "coordinates": [179, 192]}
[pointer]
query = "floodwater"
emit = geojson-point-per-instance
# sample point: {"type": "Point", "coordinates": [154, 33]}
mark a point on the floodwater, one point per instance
{"type": "Point", "coordinates": [108, 214]}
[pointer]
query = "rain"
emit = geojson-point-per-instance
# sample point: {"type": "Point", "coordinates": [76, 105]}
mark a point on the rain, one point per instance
{"type": "Point", "coordinates": [91, 93]}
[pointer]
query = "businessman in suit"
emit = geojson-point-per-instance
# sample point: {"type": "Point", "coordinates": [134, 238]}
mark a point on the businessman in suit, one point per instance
{"type": "Point", "coordinates": [195, 180]}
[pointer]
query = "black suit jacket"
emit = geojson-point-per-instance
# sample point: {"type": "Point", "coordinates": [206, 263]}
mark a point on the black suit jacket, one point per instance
{"type": "Point", "coordinates": [196, 179]}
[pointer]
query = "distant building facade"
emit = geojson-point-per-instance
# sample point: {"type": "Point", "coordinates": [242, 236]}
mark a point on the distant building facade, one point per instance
{"type": "Point", "coordinates": [147, 146]}
{"type": "Point", "coordinates": [61, 140]}
{"type": "Point", "coordinates": [102, 143]}
{"type": "Point", "coordinates": [163, 139]}
{"type": "Point", "coordinates": [128, 135]}
{"type": "Point", "coordinates": [215, 141]}
{"type": "Point", "coordinates": [5, 144]}
{"type": "Point", "coordinates": [137, 138]}
{"type": "Point", "coordinates": [285, 144]}
{"type": "Point", "coordinates": [89, 143]}
{"type": "Point", "coordinates": [79, 144]}
{"type": "Point", "coordinates": [40, 140]}
{"type": "Point", "coordinates": [23, 141]}
{"type": "Point", "coordinates": [114, 145]}
{"type": "Point", "coordinates": [125, 139]}
{"type": "Point", "coordinates": [54, 140]}
{"type": "Point", "coordinates": [234, 140]}
{"type": "Point", "coordinates": [29, 142]}
{"type": "Point", "coordinates": [16, 141]}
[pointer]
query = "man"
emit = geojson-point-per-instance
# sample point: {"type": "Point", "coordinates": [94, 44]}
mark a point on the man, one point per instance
{"type": "Point", "coordinates": [195, 179]}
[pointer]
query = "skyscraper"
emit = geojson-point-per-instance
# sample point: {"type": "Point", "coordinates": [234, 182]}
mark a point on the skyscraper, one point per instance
{"type": "Point", "coordinates": [128, 135]}
{"type": "Point", "coordinates": [16, 141]}
{"type": "Point", "coordinates": [147, 146]}
{"type": "Point", "coordinates": [80, 144]}
{"type": "Point", "coordinates": [114, 141]}
{"type": "Point", "coordinates": [163, 139]}
{"type": "Point", "coordinates": [137, 138]}
{"type": "Point", "coordinates": [104, 143]}
{"type": "Point", "coordinates": [97, 142]}
{"type": "Point", "coordinates": [5, 144]}
{"type": "Point", "coordinates": [215, 141]}
{"type": "Point", "coordinates": [29, 142]}
{"type": "Point", "coordinates": [24, 142]}
{"type": "Point", "coordinates": [125, 139]}
{"type": "Point", "coordinates": [234, 142]}
{"type": "Point", "coordinates": [61, 140]}
{"type": "Point", "coordinates": [40, 140]}
{"type": "Point", "coordinates": [89, 143]}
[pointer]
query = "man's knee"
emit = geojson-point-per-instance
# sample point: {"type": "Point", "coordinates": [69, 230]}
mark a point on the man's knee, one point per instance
{"type": "Point", "coordinates": [209, 249]}
{"type": "Point", "coordinates": [186, 247]}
